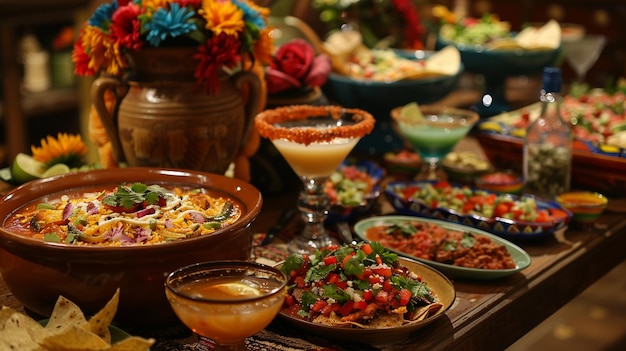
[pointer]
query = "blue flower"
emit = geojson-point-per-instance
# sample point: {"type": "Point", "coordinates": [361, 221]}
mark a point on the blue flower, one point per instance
{"type": "Point", "coordinates": [250, 15]}
{"type": "Point", "coordinates": [171, 23]}
{"type": "Point", "coordinates": [101, 17]}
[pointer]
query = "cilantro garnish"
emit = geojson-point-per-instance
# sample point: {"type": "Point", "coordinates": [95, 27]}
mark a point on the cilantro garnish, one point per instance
{"type": "Point", "coordinates": [129, 196]}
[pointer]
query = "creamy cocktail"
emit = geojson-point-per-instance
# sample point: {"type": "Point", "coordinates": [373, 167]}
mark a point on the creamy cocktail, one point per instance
{"type": "Point", "coordinates": [314, 140]}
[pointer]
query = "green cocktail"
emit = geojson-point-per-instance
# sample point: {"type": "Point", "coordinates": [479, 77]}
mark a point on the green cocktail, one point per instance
{"type": "Point", "coordinates": [433, 131]}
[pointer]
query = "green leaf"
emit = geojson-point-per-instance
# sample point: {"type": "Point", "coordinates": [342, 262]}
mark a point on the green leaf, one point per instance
{"type": "Point", "coordinates": [332, 291]}
{"type": "Point", "coordinates": [292, 263]}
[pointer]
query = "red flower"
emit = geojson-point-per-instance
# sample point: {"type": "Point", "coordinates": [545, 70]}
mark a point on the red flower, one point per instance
{"type": "Point", "coordinates": [294, 58]}
{"type": "Point", "coordinates": [125, 26]}
{"type": "Point", "coordinates": [220, 50]}
{"type": "Point", "coordinates": [81, 60]}
{"type": "Point", "coordinates": [295, 65]}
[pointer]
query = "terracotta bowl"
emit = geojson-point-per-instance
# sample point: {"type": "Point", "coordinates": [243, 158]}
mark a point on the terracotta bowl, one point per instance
{"type": "Point", "coordinates": [37, 272]}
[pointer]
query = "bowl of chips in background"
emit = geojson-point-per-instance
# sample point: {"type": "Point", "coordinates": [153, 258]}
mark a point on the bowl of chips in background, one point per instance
{"type": "Point", "coordinates": [399, 77]}
{"type": "Point", "coordinates": [38, 272]}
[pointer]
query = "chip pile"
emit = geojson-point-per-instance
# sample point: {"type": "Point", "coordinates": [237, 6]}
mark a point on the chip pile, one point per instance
{"type": "Point", "coordinates": [67, 329]}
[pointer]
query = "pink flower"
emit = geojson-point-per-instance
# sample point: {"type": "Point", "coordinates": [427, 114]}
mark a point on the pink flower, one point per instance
{"type": "Point", "coordinates": [296, 65]}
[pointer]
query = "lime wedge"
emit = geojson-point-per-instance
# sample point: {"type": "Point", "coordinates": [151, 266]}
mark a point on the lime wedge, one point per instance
{"type": "Point", "coordinates": [56, 169]}
{"type": "Point", "coordinates": [411, 110]}
{"type": "Point", "coordinates": [26, 168]}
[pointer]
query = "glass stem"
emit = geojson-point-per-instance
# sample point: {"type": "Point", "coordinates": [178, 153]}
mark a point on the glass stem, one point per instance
{"type": "Point", "coordinates": [313, 204]}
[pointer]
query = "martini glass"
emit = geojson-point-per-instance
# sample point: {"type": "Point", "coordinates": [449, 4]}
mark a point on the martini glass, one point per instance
{"type": "Point", "coordinates": [582, 53]}
{"type": "Point", "coordinates": [226, 301]}
{"type": "Point", "coordinates": [434, 135]}
{"type": "Point", "coordinates": [314, 140]}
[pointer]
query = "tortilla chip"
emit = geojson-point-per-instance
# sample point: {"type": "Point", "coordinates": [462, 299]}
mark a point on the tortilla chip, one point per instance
{"type": "Point", "coordinates": [503, 44]}
{"type": "Point", "coordinates": [99, 323]}
{"type": "Point", "coordinates": [386, 321]}
{"type": "Point", "coordinates": [74, 338]}
{"type": "Point", "coordinates": [446, 61]}
{"type": "Point", "coordinates": [17, 333]}
{"type": "Point", "coordinates": [133, 343]}
{"type": "Point", "coordinates": [65, 314]}
{"type": "Point", "coordinates": [545, 37]}
{"type": "Point", "coordinates": [426, 311]}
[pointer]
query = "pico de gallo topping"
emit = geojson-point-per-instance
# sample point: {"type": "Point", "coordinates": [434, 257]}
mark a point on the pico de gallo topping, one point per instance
{"type": "Point", "coordinates": [355, 283]}
{"type": "Point", "coordinates": [469, 201]}
{"type": "Point", "coordinates": [349, 186]}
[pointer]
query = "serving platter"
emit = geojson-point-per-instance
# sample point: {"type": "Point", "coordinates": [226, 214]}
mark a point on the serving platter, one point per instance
{"type": "Point", "coordinates": [512, 230]}
{"type": "Point", "coordinates": [520, 257]}
{"type": "Point", "coordinates": [596, 164]}
{"type": "Point", "coordinates": [439, 283]}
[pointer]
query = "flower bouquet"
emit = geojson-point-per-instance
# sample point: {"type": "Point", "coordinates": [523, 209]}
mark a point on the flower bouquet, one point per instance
{"type": "Point", "coordinates": [224, 33]}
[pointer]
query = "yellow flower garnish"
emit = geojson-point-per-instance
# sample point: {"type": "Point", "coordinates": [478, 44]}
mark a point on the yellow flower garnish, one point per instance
{"type": "Point", "coordinates": [66, 148]}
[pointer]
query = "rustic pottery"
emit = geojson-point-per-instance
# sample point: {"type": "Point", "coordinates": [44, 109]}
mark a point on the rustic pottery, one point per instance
{"type": "Point", "coordinates": [161, 118]}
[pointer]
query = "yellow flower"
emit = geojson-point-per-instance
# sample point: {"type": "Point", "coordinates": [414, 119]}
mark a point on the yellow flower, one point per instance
{"type": "Point", "coordinates": [223, 17]}
{"type": "Point", "coordinates": [66, 148]}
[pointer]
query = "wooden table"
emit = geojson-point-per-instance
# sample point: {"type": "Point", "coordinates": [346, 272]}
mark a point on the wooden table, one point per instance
{"type": "Point", "coordinates": [491, 315]}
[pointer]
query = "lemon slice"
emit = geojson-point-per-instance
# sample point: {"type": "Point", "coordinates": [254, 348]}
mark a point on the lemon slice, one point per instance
{"type": "Point", "coordinates": [25, 168]}
{"type": "Point", "coordinates": [237, 289]}
{"type": "Point", "coordinates": [56, 169]}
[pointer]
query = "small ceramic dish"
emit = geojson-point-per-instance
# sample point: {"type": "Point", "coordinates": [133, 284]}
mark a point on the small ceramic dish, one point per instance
{"type": "Point", "coordinates": [340, 211]}
{"type": "Point", "coordinates": [404, 164]}
{"type": "Point", "coordinates": [586, 206]}
{"type": "Point", "coordinates": [505, 181]}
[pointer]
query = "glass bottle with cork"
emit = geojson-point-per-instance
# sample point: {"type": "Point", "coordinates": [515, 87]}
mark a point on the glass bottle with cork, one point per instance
{"type": "Point", "coordinates": [548, 143]}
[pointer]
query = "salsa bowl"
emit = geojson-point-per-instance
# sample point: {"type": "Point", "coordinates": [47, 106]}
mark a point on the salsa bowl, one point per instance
{"type": "Point", "coordinates": [38, 271]}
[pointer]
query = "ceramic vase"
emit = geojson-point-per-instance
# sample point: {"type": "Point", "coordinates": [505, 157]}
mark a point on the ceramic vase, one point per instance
{"type": "Point", "coordinates": [162, 118]}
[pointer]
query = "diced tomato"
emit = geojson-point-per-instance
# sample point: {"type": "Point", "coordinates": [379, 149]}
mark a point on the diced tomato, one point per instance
{"type": "Point", "coordinates": [359, 305]}
{"type": "Point", "coordinates": [342, 284]}
{"type": "Point", "coordinates": [542, 216]}
{"type": "Point", "coordinates": [367, 248]}
{"type": "Point", "coordinates": [346, 308]}
{"type": "Point", "coordinates": [319, 305]}
{"type": "Point", "coordinates": [373, 279]}
{"type": "Point", "coordinates": [502, 209]}
{"type": "Point", "coordinates": [378, 259]}
{"type": "Point", "coordinates": [382, 271]}
{"type": "Point", "coordinates": [332, 278]}
{"type": "Point", "coordinates": [557, 214]}
{"type": "Point", "coordinates": [408, 192]}
{"type": "Point", "coordinates": [467, 207]}
{"type": "Point", "coordinates": [328, 260]}
{"type": "Point", "coordinates": [382, 296]}
{"type": "Point", "coordinates": [290, 300]}
{"type": "Point", "coordinates": [404, 296]}
{"type": "Point", "coordinates": [346, 259]}
{"type": "Point", "coordinates": [333, 307]}
{"type": "Point", "coordinates": [387, 286]}
{"type": "Point", "coordinates": [368, 295]}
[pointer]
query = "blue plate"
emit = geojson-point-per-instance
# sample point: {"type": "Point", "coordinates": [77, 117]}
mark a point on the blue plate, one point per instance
{"type": "Point", "coordinates": [502, 227]}
{"type": "Point", "coordinates": [520, 257]}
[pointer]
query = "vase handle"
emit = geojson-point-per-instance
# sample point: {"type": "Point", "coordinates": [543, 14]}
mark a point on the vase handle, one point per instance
{"type": "Point", "coordinates": [249, 86]}
{"type": "Point", "coordinates": [109, 116]}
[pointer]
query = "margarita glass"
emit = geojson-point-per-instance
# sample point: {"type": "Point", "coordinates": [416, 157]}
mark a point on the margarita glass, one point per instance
{"type": "Point", "coordinates": [433, 134]}
{"type": "Point", "coordinates": [314, 140]}
{"type": "Point", "coordinates": [582, 53]}
{"type": "Point", "coordinates": [226, 301]}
